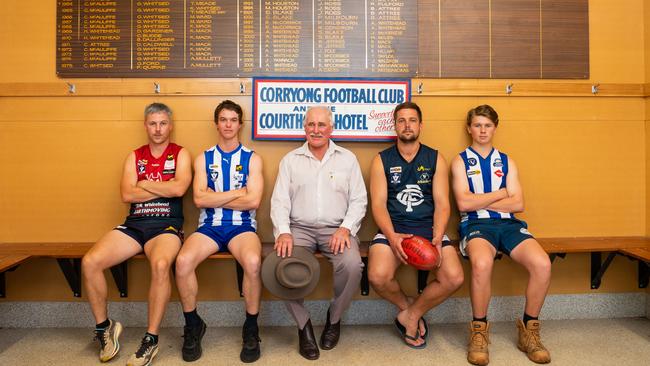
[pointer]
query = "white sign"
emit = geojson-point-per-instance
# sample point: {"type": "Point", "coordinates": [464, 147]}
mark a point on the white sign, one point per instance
{"type": "Point", "coordinates": [362, 108]}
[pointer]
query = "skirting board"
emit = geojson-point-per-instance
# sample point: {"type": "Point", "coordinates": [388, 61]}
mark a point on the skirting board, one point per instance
{"type": "Point", "coordinates": [274, 313]}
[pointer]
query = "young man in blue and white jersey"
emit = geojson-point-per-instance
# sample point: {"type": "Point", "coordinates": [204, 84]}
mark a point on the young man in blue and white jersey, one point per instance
{"type": "Point", "coordinates": [228, 185]}
{"type": "Point", "coordinates": [488, 193]}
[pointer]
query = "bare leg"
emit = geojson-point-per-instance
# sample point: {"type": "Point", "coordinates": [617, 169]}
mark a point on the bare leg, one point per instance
{"type": "Point", "coordinates": [196, 249]}
{"type": "Point", "coordinates": [382, 265]}
{"type": "Point", "coordinates": [449, 278]}
{"type": "Point", "coordinates": [161, 251]}
{"type": "Point", "coordinates": [481, 256]}
{"type": "Point", "coordinates": [113, 248]}
{"type": "Point", "coordinates": [531, 255]}
{"type": "Point", "coordinates": [247, 250]}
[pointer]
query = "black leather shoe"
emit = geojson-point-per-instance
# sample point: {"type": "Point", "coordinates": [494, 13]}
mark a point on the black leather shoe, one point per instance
{"type": "Point", "coordinates": [307, 342]}
{"type": "Point", "coordinates": [330, 336]}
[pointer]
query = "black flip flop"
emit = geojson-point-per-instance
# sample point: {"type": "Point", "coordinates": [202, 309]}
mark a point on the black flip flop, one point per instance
{"type": "Point", "coordinates": [426, 328]}
{"type": "Point", "coordinates": [402, 331]}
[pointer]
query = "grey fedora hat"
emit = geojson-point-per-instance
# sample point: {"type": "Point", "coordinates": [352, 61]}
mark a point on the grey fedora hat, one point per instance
{"type": "Point", "coordinates": [291, 278]}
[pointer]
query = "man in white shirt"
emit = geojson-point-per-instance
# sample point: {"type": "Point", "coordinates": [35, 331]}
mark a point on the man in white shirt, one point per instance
{"type": "Point", "coordinates": [318, 202]}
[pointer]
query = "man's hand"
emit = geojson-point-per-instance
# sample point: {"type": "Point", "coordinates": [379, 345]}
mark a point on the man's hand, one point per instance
{"type": "Point", "coordinates": [438, 244]}
{"type": "Point", "coordinates": [284, 245]}
{"type": "Point", "coordinates": [395, 242]}
{"type": "Point", "coordinates": [339, 240]}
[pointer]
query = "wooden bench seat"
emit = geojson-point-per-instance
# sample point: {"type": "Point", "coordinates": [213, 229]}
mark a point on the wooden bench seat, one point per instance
{"type": "Point", "coordinates": [68, 256]}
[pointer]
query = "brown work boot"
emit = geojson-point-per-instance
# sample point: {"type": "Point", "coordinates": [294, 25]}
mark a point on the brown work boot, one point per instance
{"type": "Point", "coordinates": [530, 342]}
{"type": "Point", "coordinates": [477, 350]}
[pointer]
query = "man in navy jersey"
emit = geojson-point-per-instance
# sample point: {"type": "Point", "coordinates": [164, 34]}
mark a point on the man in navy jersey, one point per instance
{"type": "Point", "coordinates": [228, 185]}
{"type": "Point", "coordinates": [154, 179]}
{"type": "Point", "coordinates": [409, 191]}
{"type": "Point", "coordinates": [488, 193]}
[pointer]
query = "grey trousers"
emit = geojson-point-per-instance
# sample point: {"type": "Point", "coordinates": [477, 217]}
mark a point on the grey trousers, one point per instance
{"type": "Point", "coordinates": [347, 268]}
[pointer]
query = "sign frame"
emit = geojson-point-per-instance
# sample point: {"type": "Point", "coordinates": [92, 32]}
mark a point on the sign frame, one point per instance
{"type": "Point", "coordinates": [256, 135]}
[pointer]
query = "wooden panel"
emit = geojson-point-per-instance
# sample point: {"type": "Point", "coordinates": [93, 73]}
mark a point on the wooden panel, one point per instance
{"type": "Point", "coordinates": [428, 38]}
{"type": "Point", "coordinates": [129, 87]}
{"type": "Point", "coordinates": [565, 39]}
{"type": "Point", "coordinates": [465, 39]}
{"type": "Point", "coordinates": [524, 109]}
{"type": "Point", "coordinates": [54, 109]}
{"type": "Point", "coordinates": [232, 89]}
{"type": "Point", "coordinates": [515, 39]}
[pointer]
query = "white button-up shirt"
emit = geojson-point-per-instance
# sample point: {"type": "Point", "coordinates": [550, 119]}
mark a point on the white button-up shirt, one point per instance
{"type": "Point", "coordinates": [319, 193]}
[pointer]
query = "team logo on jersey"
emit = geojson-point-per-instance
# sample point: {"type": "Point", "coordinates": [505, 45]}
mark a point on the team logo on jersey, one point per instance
{"type": "Point", "coordinates": [411, 196]}
{"type": "Point", "coordinates": [473, 172]}
{"type": "Point", "coordinates": [214, 171]}
{"type": "Point", "coordinates": [170, 157]}
{"type": "Point", "coordinates": [395, 169]}
{"type": "Point", "coordinates": [169, 165]}
{"type": "Point", "coordinates": [424, 178]}
{"type": "Point", "coordinates": [471, 161]}
{"type": "Point", "coordinates": [497, 163]}
{"type": "Point", "coordinates": [156, 177]}
{"type": "Point", "coordinates": [239, 168]}
{"type": "Point", "coordinates": [498, 173]}
{"type": "Point", "coordinates": [142, 166]}
{"type": "Point", "coordinates": [421, 168]}
{"type": "Point", "coordinates": [395, 178]}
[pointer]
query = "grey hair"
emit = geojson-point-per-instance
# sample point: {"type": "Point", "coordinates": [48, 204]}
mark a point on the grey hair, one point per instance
{"type": "Point", "coordinates": [157, 108]}
{"type": "Point", "coordinates": [329, 114]}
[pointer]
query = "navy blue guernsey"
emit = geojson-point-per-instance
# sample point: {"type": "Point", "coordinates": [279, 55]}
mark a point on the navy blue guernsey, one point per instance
{"type": "Point", "coordinates": [410, 186]}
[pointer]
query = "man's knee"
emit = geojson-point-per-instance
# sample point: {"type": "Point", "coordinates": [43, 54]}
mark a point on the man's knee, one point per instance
{"type": "Point", "coordinates": [379, 277]}
{"type": "Point", "coordinates": [91, 263]}
{"type": "Point", "coordinates": [541, 266]}
{"type": "Point", "coordinates": [160, 267]}
{"type": "Point", "coordinates": [349, 265]}
{"type": "Point", "coordinates": [184, 264]}
{"type": "Point", "coordinates": [481, 266]}
{"type": "Point", "coordinates": [252, 264]}
{"type": "Point", "coordinates": [455, 279]}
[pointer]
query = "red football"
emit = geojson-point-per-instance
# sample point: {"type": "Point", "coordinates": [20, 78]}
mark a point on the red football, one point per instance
{"type": "Point", "coordinates": [421, 253]}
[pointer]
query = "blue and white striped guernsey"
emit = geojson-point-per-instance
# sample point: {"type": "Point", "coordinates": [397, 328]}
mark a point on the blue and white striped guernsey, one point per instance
{"type": "Point", "coordinates": [226, 171]}
{"type": "Point", "coordinates": [485, 176]}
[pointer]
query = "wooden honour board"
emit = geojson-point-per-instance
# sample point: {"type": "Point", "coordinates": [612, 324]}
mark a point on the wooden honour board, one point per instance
{"type": "Point", "coordinates": [368, 38]}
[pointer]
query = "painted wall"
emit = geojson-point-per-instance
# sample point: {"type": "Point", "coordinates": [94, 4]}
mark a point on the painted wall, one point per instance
{"type": "Point", "coordinates": [583, 160]}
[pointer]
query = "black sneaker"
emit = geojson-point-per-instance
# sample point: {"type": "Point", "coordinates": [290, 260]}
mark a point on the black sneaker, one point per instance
{"type": "Point", "coordinates": [250, 350]}
{"type": "Point", "coordinates": [192, 343]}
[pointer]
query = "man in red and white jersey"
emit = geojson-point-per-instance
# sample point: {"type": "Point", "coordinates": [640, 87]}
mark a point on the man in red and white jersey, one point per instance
{"type": "Point", "coordinates": [154, 179]}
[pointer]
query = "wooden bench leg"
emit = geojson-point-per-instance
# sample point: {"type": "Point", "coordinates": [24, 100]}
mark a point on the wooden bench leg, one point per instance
{"type": "Point", "coordinates": [598, 268]}
{"type": "Point", "coordinates": [71, 269]}
{"type": "Point", "coordinates": [3, 281]}
{"type": "Point", "coordinates": [644, 274]}
{"type": "Point", "coordinates": [3, 285]}
{"type": "Point", "coordinates": [423, 277]}
{"type": "Point", "coordinates": [365, 284]}
{"type": "Point", "coordinates": [240, 278]}
{"type": "Point", "coordinates": [120, 275]}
